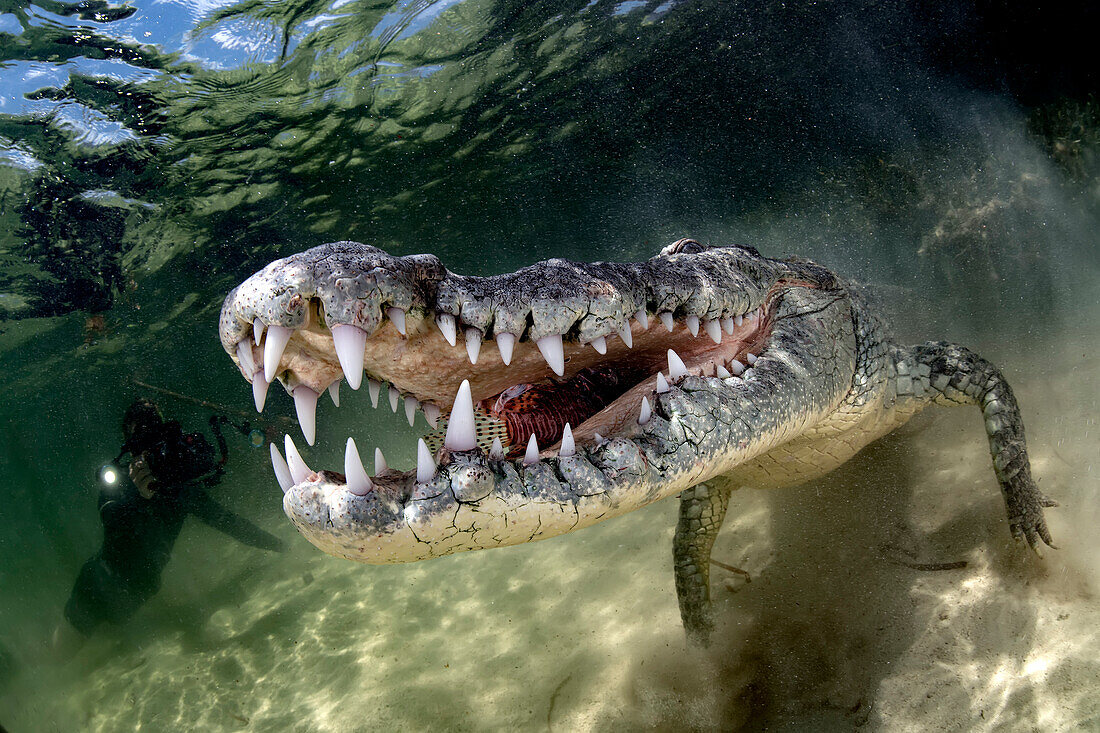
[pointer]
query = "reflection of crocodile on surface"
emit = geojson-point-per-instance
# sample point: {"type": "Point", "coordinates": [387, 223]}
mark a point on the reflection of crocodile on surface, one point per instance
{"type": "Point", "coordinates": [567, 393]}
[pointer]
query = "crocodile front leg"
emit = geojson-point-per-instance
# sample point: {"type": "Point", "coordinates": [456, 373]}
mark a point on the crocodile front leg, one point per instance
{"type": "Point", "coordinates": [951, 374]}
{"type": "Point", "coordinates": [702, 509]}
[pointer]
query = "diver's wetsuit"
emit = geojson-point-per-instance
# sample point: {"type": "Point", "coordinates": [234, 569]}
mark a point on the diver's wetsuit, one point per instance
{"type": "Point", "coordinates": [138, 533]}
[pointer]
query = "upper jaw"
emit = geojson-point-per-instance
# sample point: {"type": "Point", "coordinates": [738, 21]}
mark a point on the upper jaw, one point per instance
{"type": "Point", "coordinates": [589, 305]}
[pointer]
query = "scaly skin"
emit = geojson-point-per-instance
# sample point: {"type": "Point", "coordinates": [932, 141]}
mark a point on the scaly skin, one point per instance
{"type": "Point", "coordinates": [826, 382]}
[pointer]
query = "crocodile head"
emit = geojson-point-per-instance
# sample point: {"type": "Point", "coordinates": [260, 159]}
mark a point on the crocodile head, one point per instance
{"type": "Point", "coordinates": [552, 397]}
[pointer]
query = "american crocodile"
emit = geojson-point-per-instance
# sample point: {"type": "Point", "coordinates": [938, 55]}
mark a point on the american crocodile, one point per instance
{"type": "Point", "coordinates": [567, 393]}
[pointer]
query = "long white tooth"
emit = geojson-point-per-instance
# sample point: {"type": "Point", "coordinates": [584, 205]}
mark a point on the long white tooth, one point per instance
{"type": "Point", "coordinates": [599, 344]}
{"type": "Point", "coordinates": [380, 464]}
{"type": "Point", "coordinates": [277, 336]}
{"type": "Point", "coordinates": [374, 387]}
{"type": "Point", "coordinates": [282, 471]}
{"type": "Point", "coordinates": [738, 320]}
{"type": "Point", "coordinates": [750, 358]}
{"type": "Point", "coordinates": [298, 468]}
{"type": "Point", "coordinates": [395, 397]}
{"type": "Point", "coordinates": [532, 455]}
{"type": "Point", "coordinates": [751, 315]}
{"type": "Point", "coordinates": [334, 392]}
{"type": "Point", "coordinates": [553, 351]}
{"type": "Point", "coordinates": [259, 390]}
{"type": "Point", "coordinates": [461, 431]}
{"type": "Point", "coordinates": [305, 404]}
{"type": "Point", "coordinates": [643, 318]}
{"type": "Point", "coordinates": [425, 464]}
{"type": "Point", "coordinates": [431, 413]}
{"type": "Point", "coordinates": [473, 344]}
{"type": "Point", "coordinates": [446, 323]}
{"type": "Point", "coordinates": [410, 409]}
{"type": "Point", "coordinates": [358, 482]}
{"type": "Point", "coordinates": [568, 447]}
{"type": "Point", "coordinates": [662, 383]}
{"type": "Point", "coordinates": [714, 330]}
{"type": "Point", "coordinates": [737, 367]}
{"type": "Point", "coordinates": [397, 318]}
{"type": "Point", "coordinates": [676, 367]}
{"type": "Point", "coordinates": [257, 330]}
{"type": "Point", "coordinates": [350, 342]}
{"type": "Point", "coordinates": [666, 319]}
{"type": "Point", "coordinates": [244, 354]}
{"type": "Point", "coordinates": [722, 372]}
{"type": "Point", "coordinates": [728, 325]}
{"type": "Point", "coordinates": [598, 438]}
{"type": "Point", "coordinates": [626, 335]}
{"type": "Point", "coordinates": [505, 343]}
{"type": "Point", "coordinates": [496, 452]}
{"type": "Point", "coordinates": [692, 323]}
{"type": "Point", "coordinates": [644, 414]}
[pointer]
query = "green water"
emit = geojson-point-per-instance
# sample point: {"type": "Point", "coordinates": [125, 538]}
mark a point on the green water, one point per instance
{"type": "Point", "coordinates": [155, 154]}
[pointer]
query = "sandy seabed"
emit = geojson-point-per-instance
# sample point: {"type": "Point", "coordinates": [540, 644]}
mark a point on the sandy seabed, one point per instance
{"type": "Point", "coordinates": [842, 625]}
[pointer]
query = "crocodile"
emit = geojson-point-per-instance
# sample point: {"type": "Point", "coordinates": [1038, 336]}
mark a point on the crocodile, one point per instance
{"type": "Point", "coordinates": [566, 393]}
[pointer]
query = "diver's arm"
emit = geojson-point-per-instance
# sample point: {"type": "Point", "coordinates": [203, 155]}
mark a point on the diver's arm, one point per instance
{"type": "Point", "coordinates": [215, 515]}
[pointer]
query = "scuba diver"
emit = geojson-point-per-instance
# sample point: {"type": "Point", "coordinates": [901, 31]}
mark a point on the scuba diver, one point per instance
{"type": "Point", "coordinates": [143, 510]}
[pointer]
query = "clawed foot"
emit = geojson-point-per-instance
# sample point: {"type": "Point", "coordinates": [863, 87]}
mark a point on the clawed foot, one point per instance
{"type": "Point", "coordinates": [1025, 505]}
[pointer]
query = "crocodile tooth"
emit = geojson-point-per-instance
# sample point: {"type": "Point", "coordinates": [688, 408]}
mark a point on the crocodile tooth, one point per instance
{"type": "Point", "coordinates": [461, 430]}
{"type": "Point", "coordinates": [380, 464]}
{"type": "Point", "coordinates": [751, 316]}
{"type": "Point", "coordinates": [676, 367]}
{"type": "Point", "coordinates": [244, 354]}
{"type": "Point", "coordinates": [644, 414]}
{"type": "Point", "coordinates": [298, 468]}
{"type": "Point", "coordinates": [728, 325]}
{"type": "Point", "coordinates": [395, 397]}
{"type": "Point", "coordinates": [714, 330]}
{"type": "Point", "coordinates": [446, 323]}
{"type": "Point", "coordinates": [277, 336]}
{"type": "Point", "coordinates": [599, 344]}
{"type": "Point", "coordinates": [532, 455]}
{"type": "Point", "coordinates": [374, 387]}
{"type": "Point", "coordinates": [626, 335]}
{"type": "Point", "coordinates": [692, 323]}
{"type": "Point", "coordinates": [722, 372]}
{"type": "Point", "coordinates": [425, 464]}
{"type": "Point", "coordinates": [431, 414]}
{"type": "Point", "coordinates": [598, 438]}
{"type": "Point", "coordinates": [350, 343]}
{"type": "Point", "coordinates": [750, 358]}
{"type": "Point", "coordinates": [666, 319]}
{"type": "Point", "coordinates": [257, 330]}
{"type": "Point", "coordinates": [358, 482]}
{"type": "Point", "coordinates": [496, 452]}
{"type": "Point", "coordinates": [568, 447]}
{"type": "Point", "coordinates": [305, 404]}
{"type": "Point", "coordinates": [553, 351]}
{"type": "Point", "coordinates": [738, 320]}
{"type": "Point", "coordinates": [282, 471]}
{"type": "Point", "coordinates": [334, 392]}
{"type": "Point", "coordinates": [643, 318]}
{"type": "Point", "coordinates": [259, 390]}
{"type": "Point", "coordinates": [737, 367]}
{"type": "Point", "coordinates": [397, 317]}
{"type": "Point", "coordinates": [662, 384]}
{"type": "Point", "coordinates": [505, 343]}
{"type": "Point", "coordinates": [410, 409]}
{"type": "Point", "coordinates": [473, 344]}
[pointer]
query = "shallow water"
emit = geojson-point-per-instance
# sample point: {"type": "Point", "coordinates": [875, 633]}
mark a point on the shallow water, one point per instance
{"type": "Point", "coordinates": [151, 160]}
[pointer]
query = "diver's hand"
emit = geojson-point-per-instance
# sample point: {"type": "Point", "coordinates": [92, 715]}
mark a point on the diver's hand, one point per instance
{"type": "Point", "coordinates": [142, 476]}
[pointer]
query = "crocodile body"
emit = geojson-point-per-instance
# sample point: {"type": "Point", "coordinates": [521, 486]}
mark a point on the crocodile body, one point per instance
{"type": "Point", "coordinates": [568, 393]}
